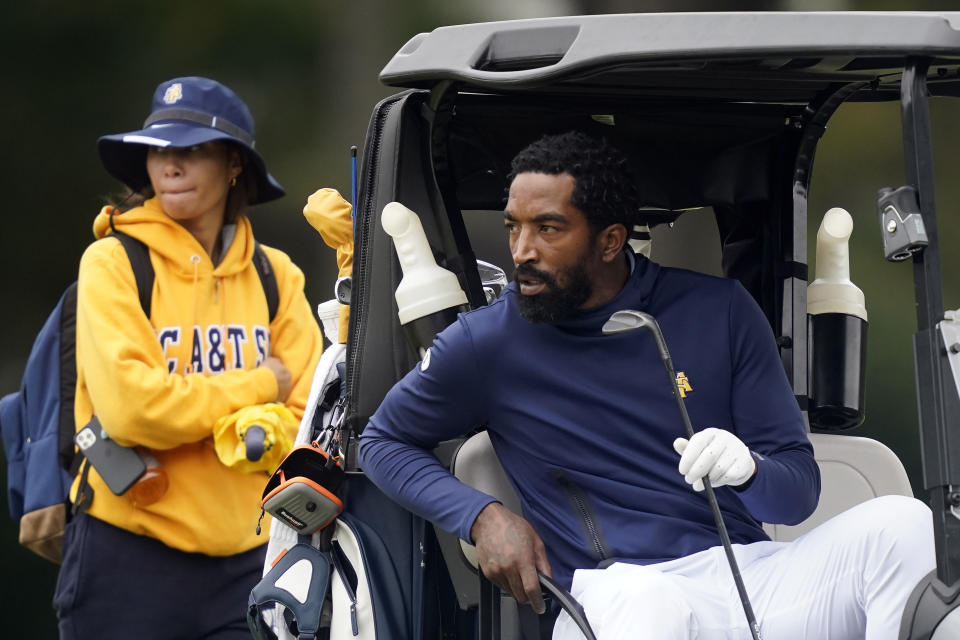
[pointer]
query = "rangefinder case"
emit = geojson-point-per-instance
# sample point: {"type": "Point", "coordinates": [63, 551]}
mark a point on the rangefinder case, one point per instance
{"type": "Point", "coordinates": [304, 491]}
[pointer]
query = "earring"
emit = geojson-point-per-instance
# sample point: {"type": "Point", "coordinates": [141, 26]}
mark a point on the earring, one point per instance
{"type": "Point", "coordinates": [233, 181]}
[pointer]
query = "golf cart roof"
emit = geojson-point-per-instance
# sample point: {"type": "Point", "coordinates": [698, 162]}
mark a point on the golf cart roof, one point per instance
{"type": "Point", "coordinates": [719, 111]}
{"type": "Point", "coordinates": [757, 57]}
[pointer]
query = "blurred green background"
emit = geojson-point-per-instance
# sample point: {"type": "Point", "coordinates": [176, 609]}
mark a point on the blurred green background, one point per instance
{"type": "Point", "coordinates": [308, 70]}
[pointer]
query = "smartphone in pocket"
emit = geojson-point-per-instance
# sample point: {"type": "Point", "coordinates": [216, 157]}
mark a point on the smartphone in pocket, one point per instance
{"type": "Point", "coordinates": [119, 466]}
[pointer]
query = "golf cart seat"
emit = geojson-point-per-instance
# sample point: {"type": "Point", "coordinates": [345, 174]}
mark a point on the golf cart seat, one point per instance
{"type": "Point", "coordinates": [853, 469]}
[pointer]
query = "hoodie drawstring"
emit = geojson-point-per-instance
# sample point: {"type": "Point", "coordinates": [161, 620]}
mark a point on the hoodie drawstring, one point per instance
{"type": "Point", "coordinates": [195, 261]}
{"type": "Point", "coordinates": [224, 342]}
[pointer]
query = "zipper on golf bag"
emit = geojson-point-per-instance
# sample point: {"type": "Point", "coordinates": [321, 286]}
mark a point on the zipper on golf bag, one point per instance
{"type": "Point", "coordinates": [348, 578]}
{"type": "Point", "coordinates": [365, 219]}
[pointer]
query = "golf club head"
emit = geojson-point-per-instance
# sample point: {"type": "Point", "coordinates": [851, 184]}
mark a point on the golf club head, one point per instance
{"type": "Point", "coordinates": [628, 320]}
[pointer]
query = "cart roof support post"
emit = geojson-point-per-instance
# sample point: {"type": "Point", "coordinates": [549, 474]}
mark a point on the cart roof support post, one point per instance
{"type": "Point", "coordinates": [936, 391]}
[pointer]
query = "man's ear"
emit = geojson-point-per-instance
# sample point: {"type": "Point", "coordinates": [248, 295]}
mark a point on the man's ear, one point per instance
{"type": "Point", "coordinates": [611, 241]}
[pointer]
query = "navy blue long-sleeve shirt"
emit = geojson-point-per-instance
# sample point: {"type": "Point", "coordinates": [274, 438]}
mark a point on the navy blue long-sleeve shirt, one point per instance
{"type": "Point", "coordinates": [584, 423]}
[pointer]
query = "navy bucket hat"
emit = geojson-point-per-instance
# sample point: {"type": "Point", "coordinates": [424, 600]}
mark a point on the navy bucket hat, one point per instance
{"type": "Point", "coordinates": [187, 112]}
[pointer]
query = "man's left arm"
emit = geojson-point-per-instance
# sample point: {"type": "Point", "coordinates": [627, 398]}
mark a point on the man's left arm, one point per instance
{"type": "Point", "coordinates": [441, 398]}
{"type": "Point", "coordinates": [784, 486]}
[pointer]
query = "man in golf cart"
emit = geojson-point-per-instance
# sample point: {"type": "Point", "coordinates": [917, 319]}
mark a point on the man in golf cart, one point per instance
{"type": "Point", "coordinates": [587, 429]}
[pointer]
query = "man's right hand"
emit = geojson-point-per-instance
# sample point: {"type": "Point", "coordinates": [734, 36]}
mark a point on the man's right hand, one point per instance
{"type": "Point", "coordinates": [282, 374]}
{"type": "Point", "coordinates": [510, 553]}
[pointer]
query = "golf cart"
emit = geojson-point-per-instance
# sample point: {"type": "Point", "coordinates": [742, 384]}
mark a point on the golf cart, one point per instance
{"type": "Point", "coordinates": [718, 112]}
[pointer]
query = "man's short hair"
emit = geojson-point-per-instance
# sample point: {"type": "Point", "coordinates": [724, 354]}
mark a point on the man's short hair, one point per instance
{"type": "Point", "coordinates": [604, 186]}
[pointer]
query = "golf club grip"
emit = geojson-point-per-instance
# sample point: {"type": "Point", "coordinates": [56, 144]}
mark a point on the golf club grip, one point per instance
{"type": "Point", "coordinates": [672, 375]}
{"type": "Point", "coordinates": [254, 440]}
{"type": "Point", "coordinates": [715, 508]}
{"type": "Point", "coordinates": [667, 361]}
{"type": "Point", "coordinates": [568, 603]}
{"type": "Point", "coordinates": [731, 560]}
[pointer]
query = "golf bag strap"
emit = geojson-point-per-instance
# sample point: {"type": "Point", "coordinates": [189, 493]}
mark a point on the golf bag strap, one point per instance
{"type": "Point", "coordinates": [284, 584]}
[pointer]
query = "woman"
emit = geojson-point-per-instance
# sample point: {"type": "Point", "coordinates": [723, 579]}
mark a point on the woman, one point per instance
{"type": "Point", "coordinates": [183, 565]}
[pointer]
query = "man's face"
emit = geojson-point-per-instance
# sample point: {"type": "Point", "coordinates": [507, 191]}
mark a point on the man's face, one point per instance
{"type": "Point", "coordinates": [552, 246]}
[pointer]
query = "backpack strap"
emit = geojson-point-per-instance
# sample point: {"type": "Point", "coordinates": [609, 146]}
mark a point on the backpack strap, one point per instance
{"type": "Point", "coordinates": [139, 255]}
{"type": "Point", "coordinates": [267, 278]}
{"type": "Point", "coordinates": [84, 490]}
{"type": "Point", "coordinates": [66, 453]}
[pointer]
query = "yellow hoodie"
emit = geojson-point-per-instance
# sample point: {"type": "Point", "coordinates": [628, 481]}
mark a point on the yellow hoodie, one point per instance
{"type": "Point", "coordinates": [163, 382]}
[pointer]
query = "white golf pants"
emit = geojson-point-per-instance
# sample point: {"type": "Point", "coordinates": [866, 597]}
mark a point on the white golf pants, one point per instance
{"type": "Point", "coordinates": [848, 578]}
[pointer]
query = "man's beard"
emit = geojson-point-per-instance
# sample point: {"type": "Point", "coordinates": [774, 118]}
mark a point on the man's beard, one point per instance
{"type": "Point", "coordinates": [554, 303]}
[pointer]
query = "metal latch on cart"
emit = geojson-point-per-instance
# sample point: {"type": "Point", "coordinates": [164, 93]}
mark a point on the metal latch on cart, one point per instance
{"type": "Point", "coordinates": [949, 329]}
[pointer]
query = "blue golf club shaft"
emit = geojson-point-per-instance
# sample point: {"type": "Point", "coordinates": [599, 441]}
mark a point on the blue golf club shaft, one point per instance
{"type": "Point", "coordinates": [353, 184]}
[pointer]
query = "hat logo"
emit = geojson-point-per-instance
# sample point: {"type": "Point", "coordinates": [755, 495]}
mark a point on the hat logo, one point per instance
{"type": "Point", "coordinates": [173, 94]}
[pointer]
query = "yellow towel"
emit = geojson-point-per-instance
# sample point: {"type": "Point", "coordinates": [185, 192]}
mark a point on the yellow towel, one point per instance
{"type": "Point", "coordinates": [279, 425]}
{"type": "Point", "coordinates": [329, 214]}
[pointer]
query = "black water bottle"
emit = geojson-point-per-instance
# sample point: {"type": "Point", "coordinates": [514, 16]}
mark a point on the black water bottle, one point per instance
{"type": "Point", "coordinates": [836, 331]}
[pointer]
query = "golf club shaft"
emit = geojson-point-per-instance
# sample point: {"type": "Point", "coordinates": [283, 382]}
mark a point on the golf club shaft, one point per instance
{"type": "Point", "coordinates": [707, 488]}
{"type": "Point", "coordinates": [353, 188]}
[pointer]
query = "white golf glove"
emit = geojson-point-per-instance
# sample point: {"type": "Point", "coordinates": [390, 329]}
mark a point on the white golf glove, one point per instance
{"type": "Point", "coordinates": [717, 454]}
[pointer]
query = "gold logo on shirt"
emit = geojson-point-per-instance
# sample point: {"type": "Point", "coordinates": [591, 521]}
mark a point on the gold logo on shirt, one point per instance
{"type": "Point", "coordinates": [683, 384]}
{"type": "Point", "coordinates": [173, 94]}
